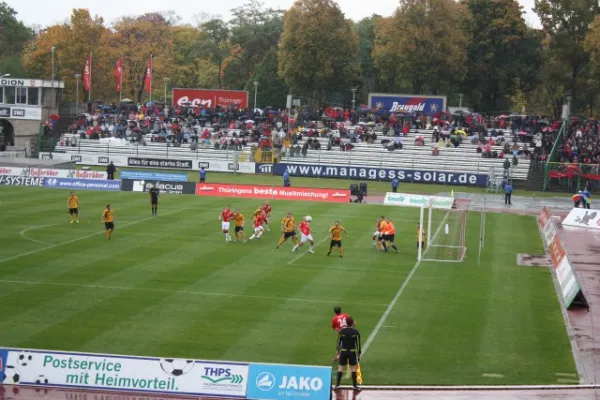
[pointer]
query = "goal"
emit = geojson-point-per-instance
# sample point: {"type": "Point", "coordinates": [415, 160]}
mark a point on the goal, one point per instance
{"type": "Point", "coordinates": [444, 236]}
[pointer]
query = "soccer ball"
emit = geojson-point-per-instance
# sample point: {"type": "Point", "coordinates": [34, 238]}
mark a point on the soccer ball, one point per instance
{"type": "Point", "coordinates": [176, 367]}
{"type": "Point", "coordinates": [41, 380]}
{"type": "Point", "coordinates": [11, 375]}
{"type": "Point", "coordinates": [24, 358]}
{"type": "Point", "coordinates": [308, 218]}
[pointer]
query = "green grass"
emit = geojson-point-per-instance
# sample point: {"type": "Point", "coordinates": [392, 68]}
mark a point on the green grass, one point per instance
{"type": "Point", "coordinates": [171, 286]}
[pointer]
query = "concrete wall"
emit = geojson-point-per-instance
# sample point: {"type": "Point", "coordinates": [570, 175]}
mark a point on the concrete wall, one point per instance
{"type": "Point", "coordinates": [25, 132]}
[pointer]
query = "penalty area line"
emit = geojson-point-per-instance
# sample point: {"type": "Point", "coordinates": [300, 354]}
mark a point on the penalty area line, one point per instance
{"type": "Point", "coordinates": [82, 238]}
{"type": "Point", "coordinates": [24, 231]}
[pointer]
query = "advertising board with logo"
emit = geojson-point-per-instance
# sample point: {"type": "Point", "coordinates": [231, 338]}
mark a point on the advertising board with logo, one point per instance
{"type": "Point", "coordinates": [582, 218]}
{"type": "Point", "coordinates": [123, 373]}
{"type": "Point", "coordinates": [416, 200]}
{"type": "Point", "coordinates": [260, 168]}
{"type": "Point", "coordinates": [278, 382]}
{"type": "Point", "coordinates": [273, 192]}
{"type": "Point", "coordinates": [384, 174]}
{"type": "Point", "coordinates": [21, 112]}
{"type": "Point", "coordinates": [157, 176]}
{"type": "Point", "coordinates": [142, 185]}
{"type": "Point", "coordinates": [21, 181]}
{"type": "Point", "coordinates": [209, 98]}
{"type": "Point", "coordinates": [159, 163]}
{"type": "Point", "coordinates": [407, 103]}
{"type": "Point", "coordinates": [570, 289]}
{"type": "Point", "coordinates": [54, 173]}
{"type": "Point", "coordinates": [82, 184]}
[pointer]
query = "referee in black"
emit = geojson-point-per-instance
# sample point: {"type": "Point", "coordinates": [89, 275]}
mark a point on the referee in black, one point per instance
{"type": "Point", "coordinates": [349, 350]}
{"type": "Point", "coordinates": [154, 199]}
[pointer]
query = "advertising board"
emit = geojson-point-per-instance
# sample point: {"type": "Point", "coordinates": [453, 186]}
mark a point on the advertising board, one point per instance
{"type": "Point", "coordinates": [563, 271]}
{"type": "Point", "coordinates": [54, 173]}
{"type": "Point", "coordinates": [123, 373]}
{"type": "Point", "coordinates": [167, 163]}
{"type": "Point", "coordinates": [152, 175]}
{"type": "Point", "coordinates": [82, 184]}
{"type": "Point", "coordinates": [279, 382]}
{"type": "Point", "coordinates": [407, 103]}
{"type": "Point", "coordinates": [142, 185]}
{"type": "Point", "coordinates": [582, 218]}
{"type": "Point", "coordinates": [21, 181]}
{"type": "Point", "coordinates": [416, 200]}
{"type": "Point", "coordinates": [210, 98]}
{"type": "Point", "coordinates": [273, 192]}
{"type": "Point", "coordinates": [21, 112]}
{"type": "Point", "coordinates": [375, 173]}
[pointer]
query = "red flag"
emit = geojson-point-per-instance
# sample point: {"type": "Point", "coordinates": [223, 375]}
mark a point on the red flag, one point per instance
{"type": "Point", "coordinates": [148, 80]}
{"type": "Point", "coordinates": [119, 73]}
{"type": "Point", "coordinates": [87, 74]}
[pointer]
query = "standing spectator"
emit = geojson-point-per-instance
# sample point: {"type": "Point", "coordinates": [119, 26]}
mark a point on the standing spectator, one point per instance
{"type": "Point", "coordinates": [110, 170]}
{"type": "Point", "coordinates": [286, 179]}
{"type": "Point", "coordinates": [508, 189]}
{"type": "Point", "coordinates": [586, 198]}
{"type": "Point", "coordinates": [395, 184]}
{"type": "Point", "coordinates": [202, 175]}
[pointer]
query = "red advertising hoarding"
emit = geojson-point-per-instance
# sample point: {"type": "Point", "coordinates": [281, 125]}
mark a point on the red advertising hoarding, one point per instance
{"type": "Point", "coordinates": [210, 98]}
{"type": "Point", "coordinates": [273, 192]}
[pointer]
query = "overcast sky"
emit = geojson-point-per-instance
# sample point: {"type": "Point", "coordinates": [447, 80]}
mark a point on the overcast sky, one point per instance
{"type": "Point", "coordinates": [44, 13]}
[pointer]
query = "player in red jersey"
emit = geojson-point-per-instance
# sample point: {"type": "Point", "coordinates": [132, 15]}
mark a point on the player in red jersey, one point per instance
{"type": "Point", "coordinates": [267, 210]}
{"type": "Point", "coordinates": [377, 233]}
{"type": "Point", "coordinates": [338, 322]}
{"type": "Point", "coordinates": [225, 218]}
{"type": "Point", "coordinates": [305, 235]}
{"type": "Point", "coordinates": [259, 220]}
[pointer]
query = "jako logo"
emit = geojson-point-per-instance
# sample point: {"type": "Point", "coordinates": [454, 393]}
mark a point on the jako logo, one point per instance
{"type": "Point", "coordinates": [267, 168]}
{"type": "Point", "coordinates": [301, 383]}
{"type": "Point", "coordinates": [265, 381]}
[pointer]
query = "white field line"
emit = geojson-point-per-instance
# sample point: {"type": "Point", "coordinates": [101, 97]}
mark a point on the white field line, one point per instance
{"type": "Point", "coordinates": [24, 231]}
{"type": "Point", "coordinates": [193, 292]}
{"type": "Point", "coordinates": [389, 308]}
{"type": "Point", "coordinates": [83, 237]}
{"type": "Point", "coordinates": [301, 254]}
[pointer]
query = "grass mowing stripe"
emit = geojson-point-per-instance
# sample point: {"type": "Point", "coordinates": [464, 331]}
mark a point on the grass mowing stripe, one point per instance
{"type": "Point", "coordinates": [299, 256]}
{"type": "Point", "coordinates": [83, 237]}
{"type": "Point", "coordinates": [158, 290]}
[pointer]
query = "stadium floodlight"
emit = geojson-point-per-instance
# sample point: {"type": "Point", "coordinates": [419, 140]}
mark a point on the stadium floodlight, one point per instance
{"type": "Point", "coordinates": [4, 76]}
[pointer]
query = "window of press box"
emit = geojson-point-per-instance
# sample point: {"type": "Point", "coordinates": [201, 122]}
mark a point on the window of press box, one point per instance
{"type": "Point", "coordinates": [21, 97]}
{"type": "Point", "coordinates": [9, 94]}
{"type": "Point", "coordinates": [33, 96]}
{"type": "Point", "coordinates": [1, 94]}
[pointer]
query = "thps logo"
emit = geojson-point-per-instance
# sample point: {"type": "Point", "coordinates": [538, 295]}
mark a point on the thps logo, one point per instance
{"type": "Point", "coordinates": [216, 375]}
{"type": "Point", "coordinates": [265, 169]}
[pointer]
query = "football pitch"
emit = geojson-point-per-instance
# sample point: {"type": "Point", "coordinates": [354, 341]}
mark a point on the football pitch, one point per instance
{"type": "Point", "coordinates": [170, 286]}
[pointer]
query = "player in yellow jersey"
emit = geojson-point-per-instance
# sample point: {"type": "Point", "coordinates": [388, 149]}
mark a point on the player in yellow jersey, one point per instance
{"type": "Point", "coordinates": [73, 205]}
{"type": "Point", "coordinates": [288, 227]}
{"type": "Point", "coordinates": [335, 233]}
{"type": "Point", "coordinates": [109, 221]}
{"type": "Point", "coordinates": [420, 237]}
{"type": "Point", "coordinates": [239, 225]}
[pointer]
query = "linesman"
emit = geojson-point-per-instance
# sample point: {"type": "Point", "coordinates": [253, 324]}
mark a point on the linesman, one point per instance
{"type": "Point", "coordinates": [349, 350]}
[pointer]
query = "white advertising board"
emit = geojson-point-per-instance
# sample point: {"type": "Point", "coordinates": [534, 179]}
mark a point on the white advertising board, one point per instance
{"type": "Point", "coordinates": [123, 373]}
{"type": "Point", "coordinates": [416, 200]}
{"type": "Point", "coordinates": [191, 164]}
{"type": "Point", "coordinates": [53, 173]}
{"type": "Point", "coordinates": [582, 218]}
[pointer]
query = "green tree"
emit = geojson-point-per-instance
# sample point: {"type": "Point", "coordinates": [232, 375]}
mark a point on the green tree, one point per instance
{"type": "Point", "coordinates": [592, 48]}
{"type": "Point", "coordinates": [318, 51]}
{"type": "Point", "coordinates": [272, 90]}
{"type": "Point", "coordinates": [498, 55]}
{"type": "Point", "coordinates": [566, 23]}
{"type": "Point", "coordinates": [410, 52]}
{"type": "Point", "coordinates": [365, 28]}
{"type": "Point", "coordinates": [13, 36]}
{"type": "Point", "coordinates": [215, 45]}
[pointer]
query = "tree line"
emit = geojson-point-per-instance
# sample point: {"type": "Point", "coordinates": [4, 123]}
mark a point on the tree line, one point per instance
{"type": "Point", "coordinates": [480, 50]}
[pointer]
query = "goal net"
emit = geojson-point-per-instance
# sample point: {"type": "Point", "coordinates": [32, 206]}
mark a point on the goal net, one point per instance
{"type": "Point", "coordinates": [444, 236]}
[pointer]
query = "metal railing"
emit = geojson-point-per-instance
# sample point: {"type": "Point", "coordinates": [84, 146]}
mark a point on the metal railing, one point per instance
{"type": "Point", "coordinates": [553, 153]}
{"type": "Point", "coordinates": [572, 177]}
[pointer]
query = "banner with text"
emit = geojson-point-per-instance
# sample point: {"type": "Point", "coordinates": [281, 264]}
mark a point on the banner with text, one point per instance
{"type": "Point", "coordinates": [375, 173]}
{"type": "Point", "coordinates": [416, 200]}
{"type": "Point", "coordinates": [21, 181]}
{"type": "Point", "coordinates": [570, 289]}
{"type": "Point", "coordinates": [129, 185]}
{"type": "Point", "coordinates": [82, 184]}
{"type": "Point", "coordinates": [280, 382]}
{"type": "Point", "coordinates": [168, 163]}
{"type": "Point", "coordinates": [582, 218]}
{"type": "Point", "coordinates": [53, 173]}
{"type": "Point", "coordinates": [123, 373]}
{"type": "Point", "coordinates": [273, 192]}
{"type": "Point", "coordinates": [158, 176]}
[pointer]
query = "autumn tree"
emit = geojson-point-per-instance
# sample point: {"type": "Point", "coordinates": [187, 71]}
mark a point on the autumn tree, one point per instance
{"type": "Point", "coordinates": [566, 23]}
{"type": "Point", "coordinates": [500, 62]}
{"type": "Point", "coordinates": [421, 51]}
{"type": "Point", "coordinates": [215, 45]}
{"type": "Point", "coordinates": [592, 48]}
{"type": "Point", "coordinates": [318, 51]}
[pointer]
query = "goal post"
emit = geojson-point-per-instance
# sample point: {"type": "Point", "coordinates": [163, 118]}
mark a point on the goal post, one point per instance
{"type": "Point", "coordinates": [445, 234]}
